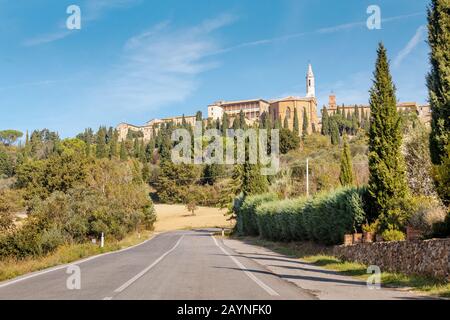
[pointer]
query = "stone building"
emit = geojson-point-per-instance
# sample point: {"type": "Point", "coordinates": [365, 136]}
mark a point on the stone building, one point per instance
{"type": "Point", "coordinates": [422, 111]}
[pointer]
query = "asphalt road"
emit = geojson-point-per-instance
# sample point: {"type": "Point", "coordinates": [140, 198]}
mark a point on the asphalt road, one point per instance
{"type": "Point", "coordinates": [173, 265]}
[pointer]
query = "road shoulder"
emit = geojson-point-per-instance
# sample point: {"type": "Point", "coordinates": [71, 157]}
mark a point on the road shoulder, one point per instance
{"type": "Point", "coordinates": [324, 284]}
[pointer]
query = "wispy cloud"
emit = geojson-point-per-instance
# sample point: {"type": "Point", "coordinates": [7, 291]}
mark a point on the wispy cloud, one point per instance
{"type": "Point", "coordinates": [332, 29]}
{"type": "Point", "coordinates": [30, 84]}
{"type": "Point", "coordinates": [418, 37]}
{"type": "Point", "coordinates": [91, 10]}
{"type": "Point", "coordinates": [161, 66]}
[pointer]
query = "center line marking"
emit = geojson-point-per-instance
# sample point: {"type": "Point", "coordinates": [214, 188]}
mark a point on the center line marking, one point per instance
{"type": "Point", "coordinates": [140, 274]}
{"type": "Point", "coordinates": [268, 289]}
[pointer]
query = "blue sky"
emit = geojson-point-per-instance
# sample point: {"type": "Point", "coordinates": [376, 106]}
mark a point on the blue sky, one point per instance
{"type": "Point", "coordinates": [134, 60]}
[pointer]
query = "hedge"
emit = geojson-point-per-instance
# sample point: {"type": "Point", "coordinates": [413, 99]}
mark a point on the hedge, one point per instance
{"type": "Point", "coordinates": [324, 219]}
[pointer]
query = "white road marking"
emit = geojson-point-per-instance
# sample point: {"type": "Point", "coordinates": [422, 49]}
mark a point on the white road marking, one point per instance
{"type": "Point", "coordinates": [39, 273]}
{"type": "Point", "coordinates": [268, 289]}
{"type": "Point", "coordinates": [107, 298]}
{"type": "Point", "coordinates": [140, 274]}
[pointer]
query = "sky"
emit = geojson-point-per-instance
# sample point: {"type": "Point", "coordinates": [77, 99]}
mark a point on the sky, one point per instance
{"type": "Point", "coordinates": [135, 60]}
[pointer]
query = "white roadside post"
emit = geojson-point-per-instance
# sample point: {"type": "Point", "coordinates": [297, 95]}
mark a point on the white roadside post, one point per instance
{"type": "Point", "coordinates": [102, 241]}
{"type": "Point", "coordinates": [223, 232]}
{"type": "Point", "coordinates": [307, 177]}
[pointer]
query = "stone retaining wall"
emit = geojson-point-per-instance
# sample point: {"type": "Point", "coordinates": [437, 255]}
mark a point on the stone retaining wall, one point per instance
{"type": "Point", "coordinates": [429, 257]}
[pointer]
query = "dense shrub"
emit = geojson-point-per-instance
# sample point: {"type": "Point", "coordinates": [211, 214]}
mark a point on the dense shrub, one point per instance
{"type": "Point", "coordinates": [325, 218]}
{"type": "Point", "coordinates": [246, 222]}
{"type": "Point", "coordinates": [109, 201]}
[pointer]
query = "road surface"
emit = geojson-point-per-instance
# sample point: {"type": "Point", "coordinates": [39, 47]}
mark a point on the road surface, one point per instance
{"type": "Point", "coordinates": [173, 265]}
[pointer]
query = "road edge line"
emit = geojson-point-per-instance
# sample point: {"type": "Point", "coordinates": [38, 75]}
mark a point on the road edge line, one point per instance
{"type": "Point", "coordinates": [264, 286]}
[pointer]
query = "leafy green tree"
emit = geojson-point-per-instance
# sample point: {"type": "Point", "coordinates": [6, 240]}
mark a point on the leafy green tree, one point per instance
{"type": "Point", "coordinates": [296, 123]}
{"type": "Point", "coordinates": [387, 181]}
{"type": "Point", "coordinates": [438, 79]}
{"type": "Point", "coordinates": [346, 175]}
{"type": "Point", "coordinates": [325, 123]}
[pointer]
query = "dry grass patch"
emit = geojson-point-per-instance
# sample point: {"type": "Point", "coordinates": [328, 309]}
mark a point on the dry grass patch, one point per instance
{"type": "Point", "coordinates": [177, 217]}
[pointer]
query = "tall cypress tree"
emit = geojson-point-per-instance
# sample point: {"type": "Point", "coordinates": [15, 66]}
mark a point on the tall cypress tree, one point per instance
{"type": "Point", "coordinates": [305, 123]}
{"type": "Point", "coordinates": [325, 122]}
{"type": "Point", "coordinates": [123, 152]}
{"type": "Point", "coordinates": [296, 123]}
{"type": "Point", "coordinates": [346, 175]}
{"type": "Point", "coordinates": [438, 79]}
{"type": "Point", "coordinates": [286, 122]}
{"type": "Point", "coordinates": [113, 145]}
{"type": "Point", "coordinates": [225, 123]}
{"type": "Point", "coordinates": [387, 181]}
{"type": "Point", "coordinates": [101, 151]}
{"type": "Point", "coordinates": [334, 131]}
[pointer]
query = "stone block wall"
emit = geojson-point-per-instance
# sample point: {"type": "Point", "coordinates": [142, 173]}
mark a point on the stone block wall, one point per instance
{"type": "Point", "coordinates": [428, 257]}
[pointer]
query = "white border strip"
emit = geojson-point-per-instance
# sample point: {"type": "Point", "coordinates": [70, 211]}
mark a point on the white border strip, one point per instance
{"type": "Point", "coordinates": [268, 289]}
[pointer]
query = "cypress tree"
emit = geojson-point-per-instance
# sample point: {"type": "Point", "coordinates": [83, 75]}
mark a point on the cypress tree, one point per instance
{"type": "Point", "coordinates": [305, 123]}
{"type": "Point", "coordinates": [142, 157]}
{"type": "Point", "coordinates": [387, 182]}
{"type": "Point", "coordinates": [438, 80]}
{"type": "Point", "coordinates": [346, 175]}
{"type": "Point", "coordinates": [296, 123]}
{"type": "Point", "coordinates": [225, 123]}
{"type": "Point", "coordinates": [123, 152]}
{"type": "Point", "coordinates": [325, 122]}
{"type": "Point", "coordinates": [136, 148]}
{"type": "Point", "coordinates": [334, 132]}
{"type": "Point", "coordinates": [113, 145]}
{"type": "Point", "coordinates": [286, 122]}
{"type": "Point", "coordinates": [101, 151]}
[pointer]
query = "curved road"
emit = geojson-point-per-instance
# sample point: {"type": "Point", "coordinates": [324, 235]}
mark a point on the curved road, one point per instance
{"type": "Point", "coordinates": [172, 265]}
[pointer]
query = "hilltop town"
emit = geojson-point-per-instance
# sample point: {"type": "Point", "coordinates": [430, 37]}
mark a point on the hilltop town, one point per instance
{"type": "Point", "coordinates": [282, 110]}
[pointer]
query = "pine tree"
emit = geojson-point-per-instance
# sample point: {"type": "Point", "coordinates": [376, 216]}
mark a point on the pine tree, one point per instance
{"type": "Point", "coordinates": [387, 181]}
{"type": "Point", "coordinates": [346, 175]}
{"type": "Point", "coordinates": [325, 122]}
{"type": "Point", "coordinates": [123, 152]}
{"type": "Point", "coordinates": [305, 124]}
{"type": "Point", "coordinates": [296, 123]}
{"type": "Point", "coordinates": [438, 79]}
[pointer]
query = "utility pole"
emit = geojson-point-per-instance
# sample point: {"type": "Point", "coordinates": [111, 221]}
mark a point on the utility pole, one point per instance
{"type": "Point", "coordinates": [307, 177]}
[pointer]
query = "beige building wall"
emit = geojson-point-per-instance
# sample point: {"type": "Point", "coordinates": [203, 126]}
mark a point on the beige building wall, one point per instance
{"type": "Point", "coordinates": [279, 109]}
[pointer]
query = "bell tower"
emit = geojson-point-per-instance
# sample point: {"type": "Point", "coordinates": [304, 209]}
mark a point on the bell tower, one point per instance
{"type": "Point", "coordinates": [310, 83]}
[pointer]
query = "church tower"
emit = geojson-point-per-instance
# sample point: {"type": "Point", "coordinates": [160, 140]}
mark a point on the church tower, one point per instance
{"type": "Point", "coordinates": [310, 83]}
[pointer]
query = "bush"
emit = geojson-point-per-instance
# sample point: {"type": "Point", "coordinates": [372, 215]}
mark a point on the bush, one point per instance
{"type": "Point", "coordinates": [246, 223]}
{"type": "Point", "coordinates": [428, 211]}
{"type": "Point", "coordinates": [324, 219]}
{"type": "Point", "coordinates": [393, 235]}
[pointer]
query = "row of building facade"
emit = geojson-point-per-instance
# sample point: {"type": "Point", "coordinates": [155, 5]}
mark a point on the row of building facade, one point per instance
{"type": "Point", "coordinates": [278, 109]}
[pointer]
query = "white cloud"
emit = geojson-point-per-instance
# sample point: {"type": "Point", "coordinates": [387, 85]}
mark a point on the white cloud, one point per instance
{"type": "Point", "coordinates": [418, 37]}
{"type": "Point", "coordinates": [332, 29]}
{"type": "Point", "coordinates": [160, 66]}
